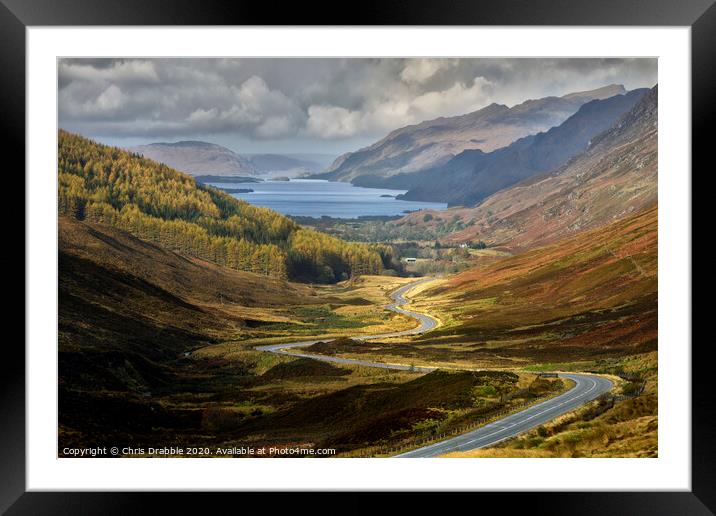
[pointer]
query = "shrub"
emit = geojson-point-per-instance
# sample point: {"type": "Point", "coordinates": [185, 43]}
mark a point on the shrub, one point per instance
{"type": "Point", "coordinates": [486, 391]}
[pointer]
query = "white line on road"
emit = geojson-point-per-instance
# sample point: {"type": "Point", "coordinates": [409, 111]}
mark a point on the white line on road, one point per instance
{"type": "Point", "coordinates": [519, 421]}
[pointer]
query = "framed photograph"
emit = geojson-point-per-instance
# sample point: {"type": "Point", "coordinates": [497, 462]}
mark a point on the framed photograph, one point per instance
{"type": "Point", "coordinates": [447, 249]}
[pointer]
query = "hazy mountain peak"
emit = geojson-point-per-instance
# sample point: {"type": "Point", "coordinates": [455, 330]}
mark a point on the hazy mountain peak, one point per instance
{"type": "Point", "coordinates": [468, 178]}
{"type": "Point", "coordinates": [190, 143]}
{"type": "Point", "coordinates": [598, 93]}
{"type": "Point", "coordinates": [419, 147]}
{"type": "Point", "coordinates": [197, 158]}
{"type": "Point", "coordinates": [615, 176]}
{"type": "Point", "coordinates": [209, 159]}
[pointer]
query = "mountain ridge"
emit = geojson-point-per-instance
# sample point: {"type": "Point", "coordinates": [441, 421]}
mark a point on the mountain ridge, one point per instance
{"type": "Point", "coordinates": [433, 142]}
{"type": "Point", "coordinates": [616, 175]}
{"type": "Point", "coordinates": [200, 158]}
{"type": "Point", "coordinates": [473, 175]}
{"type": "Point", "coordinates": [197, 158]}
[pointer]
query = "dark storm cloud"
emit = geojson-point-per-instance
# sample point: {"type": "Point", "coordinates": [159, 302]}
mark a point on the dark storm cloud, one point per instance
{"type": "Point", "coordinates": [314, 100]}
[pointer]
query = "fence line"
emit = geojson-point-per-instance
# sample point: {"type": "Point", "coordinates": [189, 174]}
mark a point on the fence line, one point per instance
{"type": "Point", "coordinates": [638, 392]}
{"type": "Point", "coordinates": [398, 448]}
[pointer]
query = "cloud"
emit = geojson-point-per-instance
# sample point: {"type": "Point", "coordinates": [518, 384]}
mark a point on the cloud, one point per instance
{"type": "Point", "coordinates": [118, 72]}
{"type": "Point", "coordinates": [420, 70]}
{"type": "Point", "coordinates": [84, 103]}
{"type": "Point", "coordinates": [110, 99]}
{"type": "Point", "coordinates": [275, 127]}
{"type": "Point", "coordinates": [202, 116]}
{"type": "Point", "coordinates": [459, 99]}
{"type": "Point", "coordinates": [308, 100]}
{"type": "Point", "coordinates": [380, 116]}
{"type": "Point", "coordinates": [252, 107]}
{"type": "Point", "coordinates": [332, 121]}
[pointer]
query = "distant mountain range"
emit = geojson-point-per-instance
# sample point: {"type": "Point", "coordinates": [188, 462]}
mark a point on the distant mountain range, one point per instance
{"type": "Point", "coordinates": [473, 175]}
{"type": "Point", "coordinates": [615, 176]}
{"type": "Point", "coordinates": [208, 159]}
{"type": "Point", "coordinates": [433, 143]}
{"type": "Point", "coordinates": [303, 162]}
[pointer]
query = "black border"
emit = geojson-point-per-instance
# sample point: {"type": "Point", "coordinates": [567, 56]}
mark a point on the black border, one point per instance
{"type": "Point", "coordinates": [16, 15]}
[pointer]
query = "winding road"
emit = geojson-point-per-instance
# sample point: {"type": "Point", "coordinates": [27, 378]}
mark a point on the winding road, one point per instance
{"type": "Point", "coordinates": [586, 388]}
{"type": "Point", "coordinates": [426, 323]}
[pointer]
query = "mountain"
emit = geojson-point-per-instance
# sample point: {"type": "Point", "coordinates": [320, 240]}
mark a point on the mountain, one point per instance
{"type": "Point", "coordinates": [288, 164]}
{"type": "Point", "coordinates": [473, 175]}
{"type": "Point", "coordinates": [434, 142]}
{"type": "Point", "coordinates": [321, 161]}
{"type": "Point", "coordinates": [208, 159]}
{"type": "Point", "coordinates": [198, 158]}
{"type": "Point", "coordinates": [158, 204]}
{"type": "Point", "coordinates": [614, 177]}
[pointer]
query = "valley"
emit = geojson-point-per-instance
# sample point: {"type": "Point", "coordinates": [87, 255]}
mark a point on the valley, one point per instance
{"type": "Point", "coordinates": [214, 378]}
{"type": "Point", "coordinates": [364, 315]}
{"type": "Point", "coordinates": [204, 381]}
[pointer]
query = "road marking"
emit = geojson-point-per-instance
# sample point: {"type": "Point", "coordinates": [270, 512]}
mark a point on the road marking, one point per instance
{"type": "Point", "coordinates": [427, 323]}
{"type": "Point", "coordinates": [459, 442]}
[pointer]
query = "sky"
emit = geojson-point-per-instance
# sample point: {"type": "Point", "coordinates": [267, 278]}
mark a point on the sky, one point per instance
{"type": "Point", "coordinates": [307, 105]}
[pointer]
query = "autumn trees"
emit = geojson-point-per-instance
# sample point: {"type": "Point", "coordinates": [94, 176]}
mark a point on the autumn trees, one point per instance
{"type": "Point", "coordinates": [156, 203]}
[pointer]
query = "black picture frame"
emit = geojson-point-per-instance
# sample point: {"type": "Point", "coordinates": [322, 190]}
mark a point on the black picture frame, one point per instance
{"type": "Point", "coordinates": [17, 15]}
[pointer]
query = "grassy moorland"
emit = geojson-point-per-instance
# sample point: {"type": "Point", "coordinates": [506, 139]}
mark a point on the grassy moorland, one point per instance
{"type": "Point", "coordinates": [156, 349]}
{"type": "Point", "coordinates": [588, 303]}
{"type": "Point", "coordinates": [349, 308]}
{"type": "Point", "coordinates": [602, 428]}
{"type": "Point", "coordinates": [588, 298]}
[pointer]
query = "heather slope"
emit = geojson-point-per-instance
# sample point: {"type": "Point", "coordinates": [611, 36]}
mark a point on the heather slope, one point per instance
{"type": "Point", "coordinates": [174, 302]}
{"type": "Point", "coordinates": [614, 177]}
{"type": "Point", "coordinates": [590, 295]}
{"type": "Point", "coordinates": [157, 349]}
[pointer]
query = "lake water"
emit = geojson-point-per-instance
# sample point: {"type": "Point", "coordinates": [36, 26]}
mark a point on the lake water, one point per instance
{"type": "Point", "coordinates": [316, 198]}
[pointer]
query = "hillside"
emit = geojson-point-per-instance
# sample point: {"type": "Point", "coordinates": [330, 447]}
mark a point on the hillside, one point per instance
{"type": "Point", "coordinates": [473, 175]}
{"type": "Point", "coordinates": [139, 325]}
{"type": "Point", "coordinates": [120, 292]}
{"type": "Point", "coordinates": [434, 142]}
{"type": "Point", "coordinates": [589, 296]}
{"type": "Point", "coordinates": [198, 158]}
{"type": "Point", "coordinates": [106, 184]}
{"type": "Point", "coordinates": [614, 177]}
{"type": "Point", "coordinates": [128, 309]}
